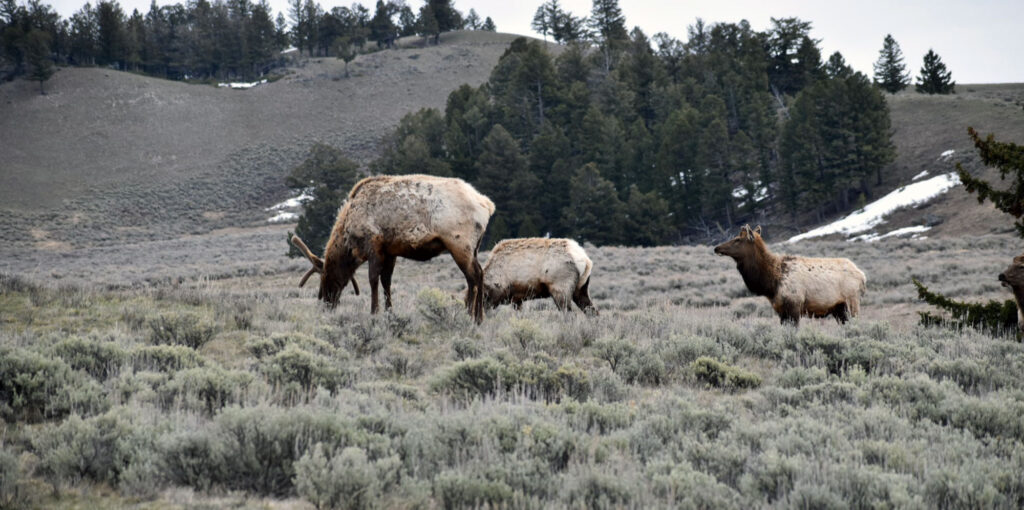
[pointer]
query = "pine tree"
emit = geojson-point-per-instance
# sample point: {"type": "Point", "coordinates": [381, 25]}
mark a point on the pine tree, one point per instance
{"type": "Point", "coordinates": [1008, 158]}
{"type": "Point", "coordinates": [997, 317]}
{"type": "Point", "coordinates": [541, 24]}
{"type": "Point", "coordinates": [111, 35]}
{"type": "Point", "coordinates": [427, 25]}
{"type": "Point", "coordinates": [343, 50]}
{"type": "Point", "coordinates": [550, 155]}
{"type": "Point", "coordinates": [934, 78]}
{"type": "Point", "coordinates": [647, 219]}
{"type": "Point", "coordinates": [37, 53]}
{"type": "Point", "coordinates": [890, 71]}
{"type": "Point", "coordinates": [594, 213]}
{"type": "Point", "coordinates": [472, 21]}
{"type": "Point", "coordinates": [785, 40]}
{"type": "Point", "coordinates": [330, 174]}
{"type": "Point", "coordinates": [503, 175]}
{"type": "Point", "coordinates": [609, 27]}
{"type": "Point", "coordinates": [489, 25]}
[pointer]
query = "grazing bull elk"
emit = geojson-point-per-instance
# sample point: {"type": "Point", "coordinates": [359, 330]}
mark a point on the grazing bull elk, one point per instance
{"type": "Point", "coordinates": [521, 269]}
{"type": "Point", "coordinates": [796, 286]}
{"type": "Point", "coordinates": [1013, 278]}
{"type": "Point", "coordinates": [414, 216]}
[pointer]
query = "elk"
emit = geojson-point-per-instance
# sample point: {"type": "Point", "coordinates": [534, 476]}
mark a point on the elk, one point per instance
{"type": "Point", "coordinates": [522, 269]}
{"type": "Point", "coordinates": [796, 286]}
{"type": "Point", "coordinates": [417, 217]}
{"type": "Point", "coordinates": [1013, 278]}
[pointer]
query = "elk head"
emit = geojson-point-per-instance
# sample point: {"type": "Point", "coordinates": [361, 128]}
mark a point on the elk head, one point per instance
{"type": "Point", "coordinates": [1013, 277]}
{"type": "Point", "coordinates": [741, 246]}
{"type": "Point", "coordinates": [334, 274]}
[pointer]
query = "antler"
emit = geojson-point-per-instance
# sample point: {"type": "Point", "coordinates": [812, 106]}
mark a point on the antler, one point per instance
{"type": "Point", "coordinates": [318, 263]}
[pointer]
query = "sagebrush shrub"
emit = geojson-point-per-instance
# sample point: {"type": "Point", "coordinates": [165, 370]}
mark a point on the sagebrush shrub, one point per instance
{"type": "Point", "coordinates": [180, 329]}
{"type": "Point", "coordinates": [76, 449]}
{"type": "Point", "coordinates": [457, 490]}
{"type": "Point", "coordinates": [165, 358]}
{"type": "Point", "coordinates": [35, 387]}
{"type": "Point", "coordinates": [720, 375]}
{"type": "Point", "coordinates": [536, 379]}
{"type": "Point", "coordinates": [206, 389]}
{"type": "Point", "coordinates": [441, 311]}
{"type": "Point", "coordinates": [97, 358]}
{"type": "Point", "coordinates": [345, 480]}
{"type": "Point", "coordinates": [297, 371]}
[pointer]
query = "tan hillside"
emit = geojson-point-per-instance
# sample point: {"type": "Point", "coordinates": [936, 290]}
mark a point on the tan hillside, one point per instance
{"type": "Point", "coordinates": [117, 151]}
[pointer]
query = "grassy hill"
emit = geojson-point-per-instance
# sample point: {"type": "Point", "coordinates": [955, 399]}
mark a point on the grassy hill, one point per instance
{"type": "Point", "coordinates": [108, 158]}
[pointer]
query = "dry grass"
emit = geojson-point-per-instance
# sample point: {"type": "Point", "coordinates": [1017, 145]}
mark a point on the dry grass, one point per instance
{"type": "Point", "coordinates": [419, 408]}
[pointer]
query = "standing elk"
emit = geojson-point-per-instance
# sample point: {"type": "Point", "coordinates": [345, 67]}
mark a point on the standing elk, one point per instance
{"type": "Point", "coordinates": [1013, 278]}
{"type": "Point", "coordinates": [413, 216]}
{"type": "Point", "coordinates": [815, 287]}
{"type": "Point", "coordinates": [522, 269]}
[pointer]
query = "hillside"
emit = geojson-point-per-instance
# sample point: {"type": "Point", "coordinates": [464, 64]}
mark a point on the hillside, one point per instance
{"type": "Point", "coordinates": [110, 156]}
{"type": "Point", "coordinates": [925, 127]}
{"type": "Point", "coordinates": [108, 159]}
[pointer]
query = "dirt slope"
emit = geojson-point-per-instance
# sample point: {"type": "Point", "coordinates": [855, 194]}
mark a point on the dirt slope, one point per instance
{"type": "Point", "coordinates": [106, 153]}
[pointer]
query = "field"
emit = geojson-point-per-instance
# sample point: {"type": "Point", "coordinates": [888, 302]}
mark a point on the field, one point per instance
{"type": "Point", "coordinates": [239, 389]}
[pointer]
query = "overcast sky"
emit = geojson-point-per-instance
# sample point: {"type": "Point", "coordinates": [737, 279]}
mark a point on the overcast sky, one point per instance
{"type": "Point", "coordinates": [981, 41]}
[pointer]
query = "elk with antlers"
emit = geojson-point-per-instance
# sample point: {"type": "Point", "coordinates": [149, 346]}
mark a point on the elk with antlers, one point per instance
{"type": "Point", "coordinates": [413, 216]}
{"type": "Point", "coordinates": [796, 286]}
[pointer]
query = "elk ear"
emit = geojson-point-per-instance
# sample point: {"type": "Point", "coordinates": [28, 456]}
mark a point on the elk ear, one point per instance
{"type": "Point", "coordinates": [757, 230]}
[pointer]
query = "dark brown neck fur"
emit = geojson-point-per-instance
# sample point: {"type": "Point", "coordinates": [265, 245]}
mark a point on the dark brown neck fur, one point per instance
{"type": "Point", "coordinates": [761, 270]}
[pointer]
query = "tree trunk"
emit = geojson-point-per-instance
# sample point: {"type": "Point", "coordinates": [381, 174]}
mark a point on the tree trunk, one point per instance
{"type": "Point", "coordinates": [41, 91]}
{"type": "Point", "coordinates": [540, 105]}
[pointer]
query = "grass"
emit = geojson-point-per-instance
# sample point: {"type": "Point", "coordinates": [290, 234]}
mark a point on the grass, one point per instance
{"type": "Point", "coordinates": [685, 392]}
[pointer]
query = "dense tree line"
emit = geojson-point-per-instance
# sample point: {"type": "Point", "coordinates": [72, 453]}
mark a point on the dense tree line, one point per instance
{"type": "Point", "coordinates": [206, 39]}
{"type": "Point", "coordinates": [623, 140]}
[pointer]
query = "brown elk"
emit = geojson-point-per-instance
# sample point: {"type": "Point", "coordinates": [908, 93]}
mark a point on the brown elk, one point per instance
{"type": "Point", "coordinates": [522, 269]}
{"type": "Point", "coordinates": [413, 216]}
{"type": "Point", "coordinates": [1013, 278]}
{"type": "Point", "coordinates": [796, 286]}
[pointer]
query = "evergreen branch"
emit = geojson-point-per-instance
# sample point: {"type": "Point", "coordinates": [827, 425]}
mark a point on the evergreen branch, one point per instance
{"type": "Point", "coordinates": [997, 317]}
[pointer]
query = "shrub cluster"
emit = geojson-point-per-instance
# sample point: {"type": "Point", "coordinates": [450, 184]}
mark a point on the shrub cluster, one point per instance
{"type": "Point", "coordinates": [720, 375]}
{"type": "Point", "coordinates": [543, 379]}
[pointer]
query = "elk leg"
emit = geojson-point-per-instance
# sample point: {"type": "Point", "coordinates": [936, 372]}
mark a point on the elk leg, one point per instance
{"type": "Point", "coordinates": [789, 313]}
{"type": "Point", "coordinates": [386, 270]}
{"type": "Point", "coordinates": [375, 270]}
{"type": "Point", "coordinates": [582, 299]}
{"type": "Point", "coordinates": [474, 274]}
{"type": "Point", "coordinates": [840, 312]}
{"type": "Point", "coordinates": [561, 299]}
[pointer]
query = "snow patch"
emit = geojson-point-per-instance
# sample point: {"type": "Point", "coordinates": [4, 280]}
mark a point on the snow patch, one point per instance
{"type": "Point", "coordinates": [916, 229]}
{"type": "Point", "coordinates": [291, 203]}
{"type": "Point", "coordinates": [760, 193]}
{"type": "Point", "coordinates": [286, 210]}
{"type": "Point", "coordinates": [875, 212]}
{"type": "Point", "coordinates": [241, 85]}
{"type": "Point", "coordinates": [947, 155]}
{"type": "Point", "coordinates": [283, 217]}
{"type": "Point", "coordinates": [920, 175]}
{"type": "Point", "coordinates": [290, 49]}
